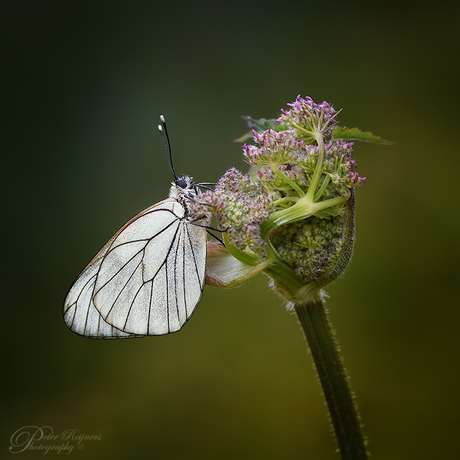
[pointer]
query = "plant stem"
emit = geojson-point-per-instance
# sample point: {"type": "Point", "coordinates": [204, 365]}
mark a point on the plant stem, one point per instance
{"type": "Point", "coordinates": [320, 192]}
{"type": "Point", "coordinates": [288, 181]}
{"type": "Point", "coordinates": [319, 167]}
{"type": "Point", "coordinates": [332, 375]}
{"type": "Point", "coordinates": [302, 209]}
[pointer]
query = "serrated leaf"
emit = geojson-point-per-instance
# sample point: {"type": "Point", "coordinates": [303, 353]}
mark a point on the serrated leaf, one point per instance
{"type": "Point", "coordinates": [260, 124]}
{"type": "Point", "coordinates": [355, 134]}
{"type": "Point", "coordinates": [244, 137]}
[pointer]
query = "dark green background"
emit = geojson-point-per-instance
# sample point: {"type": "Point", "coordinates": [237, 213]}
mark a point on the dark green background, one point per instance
{"type": "Point", "coordinates": [85, 83]}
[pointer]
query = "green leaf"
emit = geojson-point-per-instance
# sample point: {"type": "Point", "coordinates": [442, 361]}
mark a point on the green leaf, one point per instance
{"type": "Point", "coordinates": [349, 134]}
{"type": "Point", "coordinates": [244, 137]}
{"type": "Point", "coordinates": [261, 124]}
{"type": "Point", "coordinates": [355, 134]}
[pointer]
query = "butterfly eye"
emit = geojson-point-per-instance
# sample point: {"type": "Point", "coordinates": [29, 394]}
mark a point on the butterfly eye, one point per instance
{"type": "Point", "coordinates": [181, 183]}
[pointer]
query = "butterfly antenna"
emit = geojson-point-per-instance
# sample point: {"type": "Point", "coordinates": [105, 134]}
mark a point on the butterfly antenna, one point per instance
{"type": "Point", "coordinates": [164, 135]}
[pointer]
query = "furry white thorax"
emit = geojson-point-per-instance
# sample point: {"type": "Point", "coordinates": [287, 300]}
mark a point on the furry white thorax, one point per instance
{"type": "Point", "coordinates": [182, 188]}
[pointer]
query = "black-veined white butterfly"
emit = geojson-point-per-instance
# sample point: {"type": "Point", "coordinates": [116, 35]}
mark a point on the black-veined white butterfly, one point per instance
{"type": "Point", "coordinates": [149, 278]}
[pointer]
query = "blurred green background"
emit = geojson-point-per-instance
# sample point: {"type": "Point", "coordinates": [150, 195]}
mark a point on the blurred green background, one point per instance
{"type": "Point", "coordinates": [85, 83]}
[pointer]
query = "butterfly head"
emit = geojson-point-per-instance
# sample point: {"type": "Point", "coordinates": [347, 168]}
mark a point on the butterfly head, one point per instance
{"type": "Point", "coordinates": [182, 187]}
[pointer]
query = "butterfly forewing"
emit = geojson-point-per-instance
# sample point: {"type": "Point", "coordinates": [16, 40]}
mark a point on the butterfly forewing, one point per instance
{"type": "Point", "coordinates": [147, 280]}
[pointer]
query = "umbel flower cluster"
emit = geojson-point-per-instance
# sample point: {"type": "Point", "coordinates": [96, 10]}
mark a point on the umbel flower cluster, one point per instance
{"type": "Point", "coordinates": [292, 215]}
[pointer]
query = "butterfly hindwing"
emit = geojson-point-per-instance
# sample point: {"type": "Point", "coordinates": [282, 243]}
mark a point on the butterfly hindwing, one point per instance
{"type": "Point", "coordinates": [80, 314]}
{"type": "Point", "coordinates": [147, 280]}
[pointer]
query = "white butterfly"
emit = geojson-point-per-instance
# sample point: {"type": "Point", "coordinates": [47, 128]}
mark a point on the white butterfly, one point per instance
{"type": "Point", "coordinates": [149, 278]}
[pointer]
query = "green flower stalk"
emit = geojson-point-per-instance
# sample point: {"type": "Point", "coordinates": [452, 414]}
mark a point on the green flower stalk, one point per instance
{"type": "Point", "coordinates": [292, 217]}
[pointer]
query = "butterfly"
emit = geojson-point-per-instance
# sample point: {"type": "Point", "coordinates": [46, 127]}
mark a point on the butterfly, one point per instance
{"type": "Point", "coordinates": [149, 277]}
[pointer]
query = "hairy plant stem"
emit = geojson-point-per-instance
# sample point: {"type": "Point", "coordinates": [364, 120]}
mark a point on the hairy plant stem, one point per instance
{"type": "Point", "coordinates": [333, 378]}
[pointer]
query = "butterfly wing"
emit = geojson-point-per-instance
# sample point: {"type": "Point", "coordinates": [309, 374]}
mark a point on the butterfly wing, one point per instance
{"type": "Point", "coordinates": [80, 314]}
{"type": "Point", "coordinates": [147, 280]}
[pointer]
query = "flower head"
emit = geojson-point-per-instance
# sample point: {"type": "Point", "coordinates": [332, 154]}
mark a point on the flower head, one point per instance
{"type": "Point", "coordinates": [275, 148]}
{"type": "Point", "coordinates": [309, 118]}
{"type": "Point", "coordinates": [295, 214]}
{"type": "Point", "coordinates": [240, 206]}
